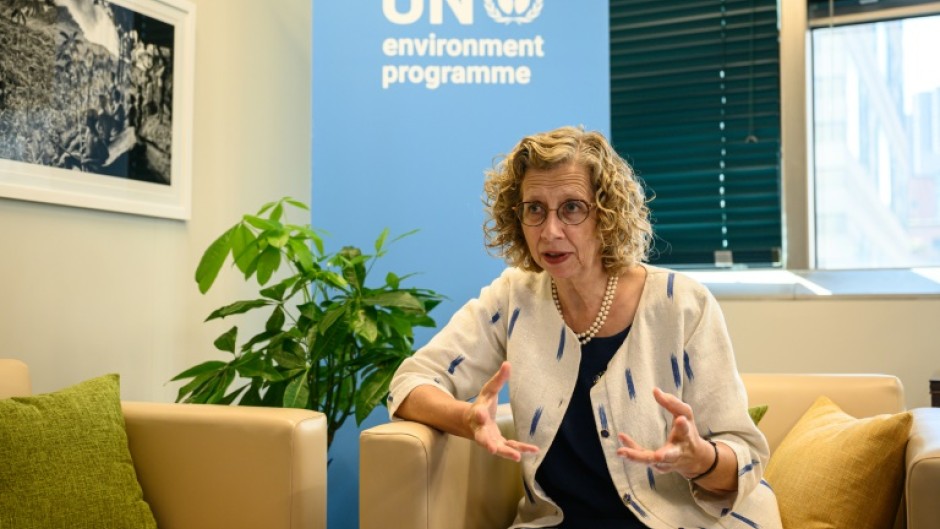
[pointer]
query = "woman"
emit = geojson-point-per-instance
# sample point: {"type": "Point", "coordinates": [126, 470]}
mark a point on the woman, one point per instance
{"type": "Point", "coordinates": [628, 409]}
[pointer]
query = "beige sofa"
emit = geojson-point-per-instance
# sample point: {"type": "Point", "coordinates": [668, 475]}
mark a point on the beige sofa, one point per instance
{"type": "Point", "coordinates": [207, 466]}
{"type": "Point", "coordinates": [414, 477]}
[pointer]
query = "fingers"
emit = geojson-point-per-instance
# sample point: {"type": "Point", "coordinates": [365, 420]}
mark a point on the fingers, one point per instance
{"type": "Point", "coordinates": [497, 381]}
{"type": "Point", "coordinates": [509, 449]}
{"type": "Point", "coordinates": [682, 428]}
{"type": "Point", "coordinates": [633, 451]}
{"type": "Point", "coordinates": [672, 404]}
{"type": "Point", "coordinates": [522, 447]}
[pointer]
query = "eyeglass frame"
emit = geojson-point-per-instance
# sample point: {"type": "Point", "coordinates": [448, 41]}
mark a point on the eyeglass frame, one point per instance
{"type": "Point", "coordinates": [519, 211]}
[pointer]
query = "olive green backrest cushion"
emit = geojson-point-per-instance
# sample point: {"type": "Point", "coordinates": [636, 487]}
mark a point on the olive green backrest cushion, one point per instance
{"type": "Point", "coordinates": [757, 413]}
{"type": "Point", "coordinates": [64, 461]}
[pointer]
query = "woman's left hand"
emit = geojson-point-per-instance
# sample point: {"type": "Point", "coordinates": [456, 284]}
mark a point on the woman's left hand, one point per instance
{"type": "Point", "coordinates": [685, 451]}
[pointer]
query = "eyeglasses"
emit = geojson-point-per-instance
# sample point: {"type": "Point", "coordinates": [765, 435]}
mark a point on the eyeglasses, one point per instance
{"type": "Point", "coordinates": [570, 212]}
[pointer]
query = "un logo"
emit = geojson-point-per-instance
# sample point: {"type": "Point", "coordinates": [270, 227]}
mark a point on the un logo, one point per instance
{"type": "Point", "coordinates": [509, 11]}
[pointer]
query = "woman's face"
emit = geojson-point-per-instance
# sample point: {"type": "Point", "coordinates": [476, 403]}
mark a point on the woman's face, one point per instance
{"type": "Point", "coordinates": [563, 250]}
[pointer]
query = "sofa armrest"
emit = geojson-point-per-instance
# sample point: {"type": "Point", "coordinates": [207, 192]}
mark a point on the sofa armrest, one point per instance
{"type": "Point", "coordinates": [415, 477]}
{"type": "Point", "coordinates": [233, 467]}
{"type": "Point", "coordinates": [922, 484]}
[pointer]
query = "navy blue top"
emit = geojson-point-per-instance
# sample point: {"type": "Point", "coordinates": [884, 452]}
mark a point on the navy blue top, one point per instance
{"type": "Point", "coordinates": [574, 472]}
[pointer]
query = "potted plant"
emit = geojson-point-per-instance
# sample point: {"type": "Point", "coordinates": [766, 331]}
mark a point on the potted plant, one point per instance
{"type": "Point", "coordinates": [330, 342]}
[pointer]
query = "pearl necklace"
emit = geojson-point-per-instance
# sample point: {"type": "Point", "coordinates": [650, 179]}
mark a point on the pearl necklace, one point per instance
{"type": "Point", "coordinates": [586, 336]}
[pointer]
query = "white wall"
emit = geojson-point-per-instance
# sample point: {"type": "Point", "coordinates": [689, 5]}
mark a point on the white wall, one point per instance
{"type": "Point", "coordinates": [895, 336]}
{"type": "Point", "coordinates": [87, 292]}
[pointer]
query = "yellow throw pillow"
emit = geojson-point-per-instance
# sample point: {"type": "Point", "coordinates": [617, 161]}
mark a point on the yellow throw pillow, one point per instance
{"type": "Point", "coordinates": [835, 471]}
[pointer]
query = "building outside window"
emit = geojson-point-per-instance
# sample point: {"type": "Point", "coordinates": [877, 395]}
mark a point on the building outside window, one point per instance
{"type": "Point", "coordinates": [876, 141]}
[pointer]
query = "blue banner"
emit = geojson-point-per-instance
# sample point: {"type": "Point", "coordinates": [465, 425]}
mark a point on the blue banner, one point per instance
{"type": "Point", "coordinates": [412, 101]}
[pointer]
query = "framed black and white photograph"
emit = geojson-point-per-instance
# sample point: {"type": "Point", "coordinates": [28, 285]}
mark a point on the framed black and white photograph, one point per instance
{"type": "Point", "coordinates": [96, 104]}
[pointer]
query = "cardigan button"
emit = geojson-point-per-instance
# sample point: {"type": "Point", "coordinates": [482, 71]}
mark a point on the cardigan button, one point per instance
{"type": "Point", "coordinates": [605, 434]}
{"type": "Point", "coordinates": [627, 498]}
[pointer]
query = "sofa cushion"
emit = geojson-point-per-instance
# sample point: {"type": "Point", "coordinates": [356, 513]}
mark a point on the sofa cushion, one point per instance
{"type": "Point", "coordinates": [66, 462]}
{"type": "Point", "coordinates": [833, 470]}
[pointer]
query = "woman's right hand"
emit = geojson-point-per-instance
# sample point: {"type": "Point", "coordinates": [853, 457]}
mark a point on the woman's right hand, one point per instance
{"type": "Point", "coordinates": [481, 419]}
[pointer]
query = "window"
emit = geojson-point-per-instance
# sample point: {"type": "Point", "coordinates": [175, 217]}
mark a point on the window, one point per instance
{"type": "Point", "coordinates": [695, 108]}
{"type": "Point", "coordinates": [876, 135]}
{"type": "Point", "coordinates": [845, 172]}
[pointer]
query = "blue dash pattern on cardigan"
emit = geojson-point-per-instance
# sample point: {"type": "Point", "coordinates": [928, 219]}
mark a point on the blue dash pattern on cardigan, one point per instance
{"type": "Point", "coordinates": [746, 520]}
{"type": "Point", "coordinates": [651, 478]}
{"type": "Point", "coordinates": [676, 376]}
{"type": "Point", "coordinates": [512, 322]}
{"type": "Point", "coordinates": [687, 364]}
{"type": "Point", "coordinates": [748, 467]}
{"type": "Point", "coordinates": [535, 421]}
{"type": "Point", "coordinates": [495, 317]}
{"type": "Point", "coordinates": [636, 506]}
{"type": "Point", "coordinates": [561, 344]}
{"type": "Point", "coordinates": [670, 283]}
{"type": "Point", "coordinates": [603, 416]}
{"type": "Point", "coordinates": [454, 363]}
{"type": "Point", "coordinates": [631, 389]}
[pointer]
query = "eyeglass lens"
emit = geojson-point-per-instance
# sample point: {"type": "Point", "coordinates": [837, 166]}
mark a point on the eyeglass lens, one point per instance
{"type": "Point", "coordinates": [569, 212]}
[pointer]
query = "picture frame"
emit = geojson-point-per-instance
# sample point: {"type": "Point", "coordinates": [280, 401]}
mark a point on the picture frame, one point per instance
{"type": "Point", "coordinates": [96, 104]}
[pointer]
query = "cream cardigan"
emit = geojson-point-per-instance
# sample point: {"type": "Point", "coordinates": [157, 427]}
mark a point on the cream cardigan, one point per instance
{"type": "Point", "coordinates": [678, 342]}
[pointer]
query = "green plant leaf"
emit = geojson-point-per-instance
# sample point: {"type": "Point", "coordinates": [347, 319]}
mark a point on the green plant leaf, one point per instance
{"type": "Point", "coordinates": [365, 326]}
{"type": "Point", "coordinates": [244, 248]}
{"type": "Point", "coordinates": [353, 266]}
{"type": "Point", "coordinates": [276, 292]}
{"type": "Point", "coordinates": [253, 365]}
{"type": "Point", "coordinates": [297, 393]}
{"type": "Point", "coordinates": [268, 263]}
{"type": "Point", "coordinates": [230, 398]}
{"type": "Point", "coordinates": [259, 338]}
{"type": "Point", "coordinates": [274, 396]}
{"type": "Point", "coordinates": [266, 206]}
{"type": "Point", "coordinates": [261, 224]}
{"type": "Point", "coordinates": [333, 279]}
{"type": "Point", "coordinates": [399, 298]}
{"type": "Point", "coordinates": [276, 320]}
{"type": "Point", "coordinates": [238, 307]}
{"type": "Point", "coordinates": [330, 318]}
{"type": "Point", "coordinates": [277, 212]}
{"type": "Point", "coordinates": [392, 280]}
{"type": "Point", "coordinates": [221, 385]}
{"type": "Point", "coordinates": [226, 341]}
{"type": "Point", "coordinates": [253, 395]}
{"type": "Point", "coordinates": [277, 238]}
{"type": "Point", "coordinates": [195, 389]}
{"type": "Point", "coordinates": [206, 367]}
{"type": "Point", "coordinates": [296, 203]}
{"type": "Point", "coordinates": [212, 260]}
{"type": "Point", "coordinates": [403, 235]}
{"type": "Point", "coordinates": [301, 254]}
{"type": "Point", "coordinates": [380, 242]}
{"type": "Point", "coordinates": [372, 391]}
{"type": "Point", "coordinates": [289, 356]}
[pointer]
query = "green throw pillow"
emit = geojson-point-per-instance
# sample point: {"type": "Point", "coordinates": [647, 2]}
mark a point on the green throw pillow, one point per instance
{"type": "Point", "coordinates": [757, 413]}
{"type": "Point", "coordinates": [66, 463]}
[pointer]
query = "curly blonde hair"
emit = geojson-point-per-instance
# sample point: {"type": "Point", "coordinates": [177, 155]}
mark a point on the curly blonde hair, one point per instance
{"type": "Point", "coordinates": [623, 225]}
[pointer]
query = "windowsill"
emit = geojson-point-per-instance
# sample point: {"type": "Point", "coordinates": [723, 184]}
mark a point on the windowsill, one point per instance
{"type": "Point", "coordinates": [819, 284]}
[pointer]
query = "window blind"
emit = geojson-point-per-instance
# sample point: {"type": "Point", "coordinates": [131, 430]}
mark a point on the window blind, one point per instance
{"type": "Point", "coordinates": [695, 109]}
